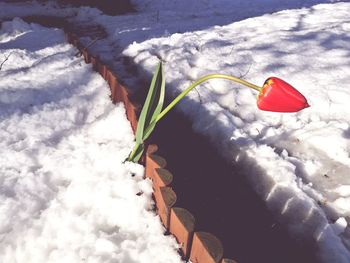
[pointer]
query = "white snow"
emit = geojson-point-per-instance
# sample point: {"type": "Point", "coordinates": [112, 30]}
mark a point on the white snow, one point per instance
{"type": "Point", "coordinates": [65, 193]}
{"type": "Point", "coordinates": [298, 163]}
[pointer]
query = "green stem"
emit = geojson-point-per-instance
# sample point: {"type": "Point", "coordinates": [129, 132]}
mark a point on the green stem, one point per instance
{"type": "Point", "coordinates": [199, 81]}
{"type": "Point", "coordinates": [133, 153]}
{"type": "Point", "coordinates": [186, 91]}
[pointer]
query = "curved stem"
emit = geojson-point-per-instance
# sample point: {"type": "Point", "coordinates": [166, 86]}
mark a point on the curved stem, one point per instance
{"type": "Point", "coordinates": [199, 81]}
{"type": "Point", "coordinates": [132, 155]}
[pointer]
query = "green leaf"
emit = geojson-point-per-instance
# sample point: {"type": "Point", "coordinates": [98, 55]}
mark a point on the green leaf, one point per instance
{"type": "Point", "coordinates": [137, 154]}
{"type": "Point", "coordinates": [152, 107]}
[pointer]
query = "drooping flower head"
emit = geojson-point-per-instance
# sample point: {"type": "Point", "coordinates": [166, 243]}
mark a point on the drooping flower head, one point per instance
{"type": "Point", "coordinates": [275, 95]}
{"type": "Point", "coordinates": [279, 96]}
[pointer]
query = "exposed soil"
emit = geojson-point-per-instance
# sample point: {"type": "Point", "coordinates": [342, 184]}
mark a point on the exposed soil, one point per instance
{"type": "Point", "coordinates": [219, 197]}
{"type": "Point", "coordinates": [109, 7]}
{"type": "Point", "coordinates": [81, 29]}
{"type": "Point", "coordinates": [214, 191]}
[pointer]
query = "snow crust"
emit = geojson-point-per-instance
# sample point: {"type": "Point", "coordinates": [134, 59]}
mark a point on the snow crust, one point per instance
{"type": "Point", "coordinates": [298, 163]}
{"type": "Point", "coordinates": [65, 193]}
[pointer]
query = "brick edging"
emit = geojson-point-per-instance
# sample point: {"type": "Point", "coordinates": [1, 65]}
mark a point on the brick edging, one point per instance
{"type": "Point", "coordinates": [197, 246]}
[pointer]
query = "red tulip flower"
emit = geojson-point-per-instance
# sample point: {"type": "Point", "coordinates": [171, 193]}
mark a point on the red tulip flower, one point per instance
{"type": "Point", "coordinates": [275, 95]}
{"type": "Point", "coordinates": [279, 96]}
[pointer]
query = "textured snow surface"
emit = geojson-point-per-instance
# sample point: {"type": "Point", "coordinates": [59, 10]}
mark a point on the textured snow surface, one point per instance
{"type": "Point", "coordinates": [299, 163]}
{"type": "Point", "coordinates": [65, 194]}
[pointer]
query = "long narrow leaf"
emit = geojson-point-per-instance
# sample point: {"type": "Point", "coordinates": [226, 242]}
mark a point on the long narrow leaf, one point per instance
{"type": "Point", "coordinates": [153, 105]}
{"type": "Point", "coordinates": [137, 154]}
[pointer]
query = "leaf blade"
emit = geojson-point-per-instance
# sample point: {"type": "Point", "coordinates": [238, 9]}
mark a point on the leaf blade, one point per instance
{"type": "Point", "coordinates": [152, 106]}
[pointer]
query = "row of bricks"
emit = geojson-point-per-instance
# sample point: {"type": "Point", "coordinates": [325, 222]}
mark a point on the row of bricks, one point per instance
{"type": "Point", "coordinates": [199, 247]}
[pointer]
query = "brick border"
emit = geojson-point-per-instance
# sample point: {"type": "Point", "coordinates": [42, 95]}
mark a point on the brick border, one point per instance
{"type": "Point", "coordinates": [199, 247]}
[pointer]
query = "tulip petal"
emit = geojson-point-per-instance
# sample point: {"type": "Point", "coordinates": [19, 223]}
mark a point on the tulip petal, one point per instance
{"type": "Point", "coordinates": [278, 96]}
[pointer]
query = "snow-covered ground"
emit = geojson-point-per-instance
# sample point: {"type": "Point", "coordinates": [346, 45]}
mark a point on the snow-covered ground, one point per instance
{"type": "Point", "coordinates": [299, 163]}
{"type": "Point", "coordinates": [65, 194]}
{"type": "Point", "coordinates": [303, 158]}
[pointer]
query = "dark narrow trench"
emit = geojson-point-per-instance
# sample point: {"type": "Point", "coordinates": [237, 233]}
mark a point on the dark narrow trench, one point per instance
{"type": "Point", "coordinates": [221, 200]}
{"type": "Point", "coordinates": [216, 193]}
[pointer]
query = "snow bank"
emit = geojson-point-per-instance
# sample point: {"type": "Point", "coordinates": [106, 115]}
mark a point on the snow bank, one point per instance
{"type": "Point", "coordinates": [65, 194]}
{"type": "Point", "coordinates": [226, 6]}
{"type": "Point", "coordinates": [299, 163]}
